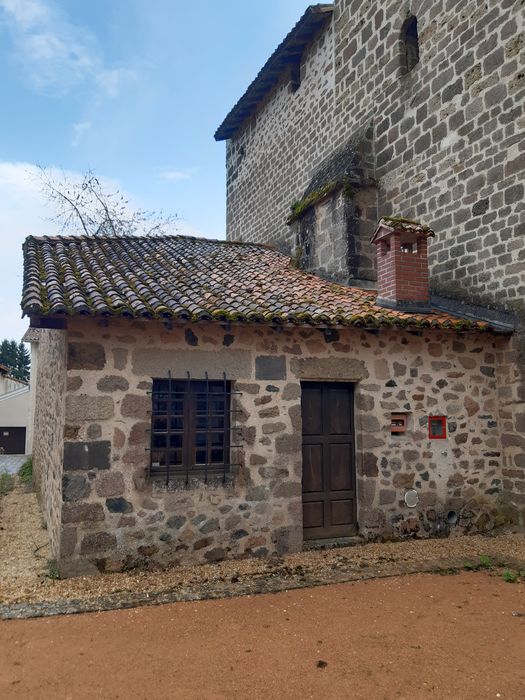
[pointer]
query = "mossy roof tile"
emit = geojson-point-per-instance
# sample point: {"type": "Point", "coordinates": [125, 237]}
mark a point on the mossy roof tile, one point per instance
{"type": "Point", "coordinates": [183, 278]}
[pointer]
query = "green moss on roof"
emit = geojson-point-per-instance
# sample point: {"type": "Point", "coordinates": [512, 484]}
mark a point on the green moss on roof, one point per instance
{"type": "Point", "coordinates": [193, 279]}
{"type": "Point", "coordinates": [401, 220]}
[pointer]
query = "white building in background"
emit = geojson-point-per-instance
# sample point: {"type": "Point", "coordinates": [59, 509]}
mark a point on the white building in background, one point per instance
{"type": "Point", "coordinates": [15, 407]}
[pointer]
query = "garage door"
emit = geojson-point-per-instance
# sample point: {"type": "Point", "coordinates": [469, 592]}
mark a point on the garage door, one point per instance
{"type": "Point", "coordinates": [13, 440]}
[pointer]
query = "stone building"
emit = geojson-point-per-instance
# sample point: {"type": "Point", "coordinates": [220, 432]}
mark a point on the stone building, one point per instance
{"type": "Point", "coordinates": [414, 109]}
{"type": "Point", "coordinates": [318, 375]}
{"type": "Point", "coordinates": [15, 399]}
{"type": "Point", "coordinates": [201, 399]}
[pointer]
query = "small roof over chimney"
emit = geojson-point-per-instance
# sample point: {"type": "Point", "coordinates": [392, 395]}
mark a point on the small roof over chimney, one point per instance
{"type": "Point", "coordinates": [412, 230]}
{"type": "Point", "coordinates": [402, 264]}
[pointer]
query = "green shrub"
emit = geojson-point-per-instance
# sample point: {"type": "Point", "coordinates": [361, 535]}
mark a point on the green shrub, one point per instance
{"type": "Point", "coordinates": [52, 570]}
{"type": "Point", "coordinates": [25, 473]}
{"type": "Point", "coordinates": [485, 562]}
{"type": "Point", "coordinates": [6, 483]}
{"type": "Point", "coordinates": [510, 576]}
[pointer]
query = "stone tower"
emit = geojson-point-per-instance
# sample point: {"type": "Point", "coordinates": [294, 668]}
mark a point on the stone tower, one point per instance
{"type": "Point", "coordinates": [373, 108]}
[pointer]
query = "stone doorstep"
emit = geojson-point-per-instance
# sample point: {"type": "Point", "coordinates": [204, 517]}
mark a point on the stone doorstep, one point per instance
{"type": "Point", "coordinates": [250, 586]}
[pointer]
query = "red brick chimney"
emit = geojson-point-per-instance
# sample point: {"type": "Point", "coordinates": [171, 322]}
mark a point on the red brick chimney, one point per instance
{"type": "Point", "coordinates": [402, 265]}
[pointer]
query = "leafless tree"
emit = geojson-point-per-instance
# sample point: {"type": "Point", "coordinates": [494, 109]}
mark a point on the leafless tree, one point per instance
{"type": "Point", "coordinates": [86, 206]}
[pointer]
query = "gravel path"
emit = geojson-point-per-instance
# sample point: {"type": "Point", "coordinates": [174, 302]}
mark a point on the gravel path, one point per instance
{"type": "Point", "coordinates": [24, 545]}
{"type": "Point", "coordinates": [24, 554]}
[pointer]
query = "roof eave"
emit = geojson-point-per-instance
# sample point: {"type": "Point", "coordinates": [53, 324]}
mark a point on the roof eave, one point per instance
{"type": "Point", "coordinates": [360, 322]}
{"type": "Point", "coordinates": [497, 321]}
{"type": "Point", "coordinates": [289, 51]}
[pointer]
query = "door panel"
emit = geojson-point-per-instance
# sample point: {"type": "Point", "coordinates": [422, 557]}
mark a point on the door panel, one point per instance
{"type": "Point", "coordinates": [339, 416]}
{"type": "Point", "coordinates": [312, 413]}
{"type": "Point", "coordinates": [328, 460]}
{"type": "Point", "coordinates": [312, 468]}
{"type": "Point", "coordinates": [342, 512]}
{"type": "Point", "coordinates": [313, 514]}
{"type": "Point", "coordinates": [340, 475]}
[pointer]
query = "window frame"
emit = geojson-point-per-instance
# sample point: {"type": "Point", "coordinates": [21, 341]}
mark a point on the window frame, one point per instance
{"type": "Point", "coordinates": [187, 422]}
{"type": "Point", "coordinates": [442, 420]}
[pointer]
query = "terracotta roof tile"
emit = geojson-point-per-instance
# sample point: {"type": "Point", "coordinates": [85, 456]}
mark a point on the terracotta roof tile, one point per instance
{"type": "Point", "coordinates": [195, 279]}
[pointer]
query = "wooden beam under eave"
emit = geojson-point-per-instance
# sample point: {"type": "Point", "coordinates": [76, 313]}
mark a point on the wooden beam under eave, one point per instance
{"type": "Point", "coordinates": [55, 322]}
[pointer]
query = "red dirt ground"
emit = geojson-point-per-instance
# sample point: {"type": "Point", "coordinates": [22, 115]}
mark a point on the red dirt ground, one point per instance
{"type": "Point", "coordinates": [408, 637]}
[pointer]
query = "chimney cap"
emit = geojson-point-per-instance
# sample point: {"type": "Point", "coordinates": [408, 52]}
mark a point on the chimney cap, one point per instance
{"type": "Point", "coordinates": [391, 224]}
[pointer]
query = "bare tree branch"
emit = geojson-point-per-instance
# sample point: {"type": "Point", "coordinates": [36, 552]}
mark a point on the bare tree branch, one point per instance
{"type": "Point", "coordinates": [88, 206]}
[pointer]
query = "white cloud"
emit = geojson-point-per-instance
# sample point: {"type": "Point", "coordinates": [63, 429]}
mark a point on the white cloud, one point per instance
{"type": "Point", "coordinates": [54, 53]}
{"type": "Point", "coordinates": [24, 212]}
{"type": "Point", "coordinates": [26, 12]}
{"type": "Point", "coordinates": [112, 80]}
{"type": "Point", "coordinates": [79, 129]}
{"type": "Point", "coordinates": [175, 175]}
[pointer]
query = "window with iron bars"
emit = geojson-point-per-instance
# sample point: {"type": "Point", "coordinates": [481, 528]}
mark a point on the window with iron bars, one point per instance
{"type": "Point", "coordinates": [190, 429]}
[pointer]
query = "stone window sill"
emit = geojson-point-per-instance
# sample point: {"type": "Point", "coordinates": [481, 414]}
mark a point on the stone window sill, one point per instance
{"type": "Point", "coordinates": [194, 482]}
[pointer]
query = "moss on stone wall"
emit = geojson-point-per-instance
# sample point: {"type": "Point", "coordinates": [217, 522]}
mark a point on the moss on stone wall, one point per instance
{"type": "Point", "coordinates": [302, 205]}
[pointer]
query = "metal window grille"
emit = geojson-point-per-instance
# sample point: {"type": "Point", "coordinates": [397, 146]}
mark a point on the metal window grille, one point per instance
{"type": "Point", "coordinates": [191, 428]}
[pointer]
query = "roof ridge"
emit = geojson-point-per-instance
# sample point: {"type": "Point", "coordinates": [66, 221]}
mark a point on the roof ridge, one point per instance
{"type": "Point", "coordinates": [131, 237]}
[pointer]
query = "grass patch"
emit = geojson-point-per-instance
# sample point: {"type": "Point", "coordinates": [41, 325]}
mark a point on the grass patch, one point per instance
{"type": "Point", "coordinates": [6, 483]}
{"type": "Point", "coordinates": [52, 570]}
{"type": "Point", "coordinates": [484, 562]}
{"type": "Point", "coordinates": [511, 576]}
{"type": "Point", "coordinates": [25, 473]}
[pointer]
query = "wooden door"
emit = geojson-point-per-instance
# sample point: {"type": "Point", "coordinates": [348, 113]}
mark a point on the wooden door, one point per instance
{"type": "Point", "coordinates": [329, 496]}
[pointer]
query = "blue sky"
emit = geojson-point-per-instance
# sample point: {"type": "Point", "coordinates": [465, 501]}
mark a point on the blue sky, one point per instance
{"type": "Point", "coordinates": [133, 89]}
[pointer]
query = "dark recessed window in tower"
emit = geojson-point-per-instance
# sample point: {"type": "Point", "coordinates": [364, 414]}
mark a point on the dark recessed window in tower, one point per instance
{"type": "Point", "coordinates": [410, 40]}
{"type": "Point", "coordinates": [295, 77]}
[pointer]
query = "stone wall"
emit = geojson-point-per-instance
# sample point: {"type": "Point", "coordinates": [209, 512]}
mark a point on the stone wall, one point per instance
{"type": "Point", "coordinates": [511, 401]}
{"type": "Point", "coordinates": [448, 137]}
{"type": "Point", "coordinates": [269, 163]}
{"type": "Point", "coordinates": [113, 516]}
{"type": "Point", "coordinates": [332, 238]}
{"type": "Point", "coordinates": [9, 384]}
{"type": "Point", "coordinates": [49, 381]}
